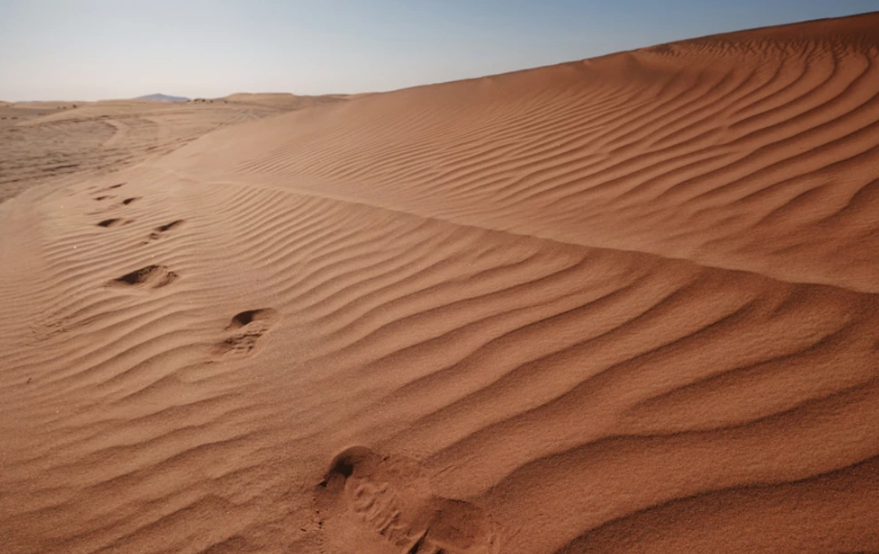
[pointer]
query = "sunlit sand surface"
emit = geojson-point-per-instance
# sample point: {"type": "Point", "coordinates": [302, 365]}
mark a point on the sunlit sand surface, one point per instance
{"type": "Point", "coordinates": [622, 305]}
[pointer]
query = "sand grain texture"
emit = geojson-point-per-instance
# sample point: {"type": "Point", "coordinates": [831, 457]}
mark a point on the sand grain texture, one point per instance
{"type": "Point", "coordinates": [627, 304]}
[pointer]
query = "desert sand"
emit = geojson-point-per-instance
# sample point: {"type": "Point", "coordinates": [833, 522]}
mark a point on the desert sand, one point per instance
{"type": "Point", "coordinates": [622, 305]}
{"type": "Point", "coordinates": [58, 143]}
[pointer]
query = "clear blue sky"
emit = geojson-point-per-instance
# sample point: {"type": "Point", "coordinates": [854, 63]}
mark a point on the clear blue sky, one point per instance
{"type": "Point", "coordinates": [92, 49]}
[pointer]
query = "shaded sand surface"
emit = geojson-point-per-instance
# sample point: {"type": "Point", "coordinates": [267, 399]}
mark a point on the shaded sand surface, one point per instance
{"type": "Point", "coordinates": [621, 305]}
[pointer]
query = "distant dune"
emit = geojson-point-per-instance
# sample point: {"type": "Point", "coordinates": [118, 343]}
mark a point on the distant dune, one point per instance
{"type": "Point", "coordinates": [58, 143]}
{"type": "Point", "coordinates": [163, 98]}
{"type": "Point", "coordinates": [284, 100]}
{"type": "Point", "coordinates": [622, 305]}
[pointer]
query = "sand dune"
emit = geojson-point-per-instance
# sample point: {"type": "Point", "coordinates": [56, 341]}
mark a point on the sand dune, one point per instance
{"type": "Point", "coordinates": [284, 101]}
{"type": "Point", "coordinates": [620, 305]}
{"type": "Point", "coordinates": [57, 143]}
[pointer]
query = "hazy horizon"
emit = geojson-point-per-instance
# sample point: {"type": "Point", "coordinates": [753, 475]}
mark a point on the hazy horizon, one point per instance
{"type": "Point", "coordinates": [102, 50]}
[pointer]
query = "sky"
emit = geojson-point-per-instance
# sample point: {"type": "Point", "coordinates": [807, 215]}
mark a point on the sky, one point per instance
{"type": "Point", "coordinates": [101, 49]}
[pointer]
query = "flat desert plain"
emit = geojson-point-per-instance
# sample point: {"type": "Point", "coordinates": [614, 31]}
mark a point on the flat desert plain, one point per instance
{"type": "Point", "coordinates": [622, 305]}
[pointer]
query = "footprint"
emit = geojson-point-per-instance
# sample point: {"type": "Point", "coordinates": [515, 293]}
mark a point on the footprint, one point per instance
{"type": "Point", "coordinates": [151, 276]}
{"type": "Point", "coordinates": [115, 186]}
{"type": "Point", "coordinates": [162, 229]}
{"type": "Point", "coordinates": [128, 201]}
{"type": "Point", "coordinates": [391, 500]}
{"type": "Point", "coordinates": [104, 197]}
{"type": "Point", "coordinates": [244, 332]}
{"type": "Point", "coordinates": [113, 222]}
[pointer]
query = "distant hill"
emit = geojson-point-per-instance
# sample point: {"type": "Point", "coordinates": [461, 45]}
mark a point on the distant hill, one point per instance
{"type": "Point", "coordinates": [163, 98]}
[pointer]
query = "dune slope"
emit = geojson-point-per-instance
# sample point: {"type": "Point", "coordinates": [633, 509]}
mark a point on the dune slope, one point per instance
{"type": "Point", "coordinates": [621, 305]}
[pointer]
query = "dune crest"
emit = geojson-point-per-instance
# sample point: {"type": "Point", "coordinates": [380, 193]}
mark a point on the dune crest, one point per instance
{"type": "Point", "coordinates": [751, 151]}
{"type": "Point", "coordinates": [627, 304]}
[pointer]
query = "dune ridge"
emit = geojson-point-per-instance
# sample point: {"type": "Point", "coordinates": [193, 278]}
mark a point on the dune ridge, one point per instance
{"type": "Point", "coordinates": [642, 150]}
{"type": "Point", "coordinates": [620, 305]}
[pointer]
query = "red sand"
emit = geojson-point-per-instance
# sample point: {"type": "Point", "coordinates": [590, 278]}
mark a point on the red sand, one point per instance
{"type": "Point", "coordinates": [621, 305]}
